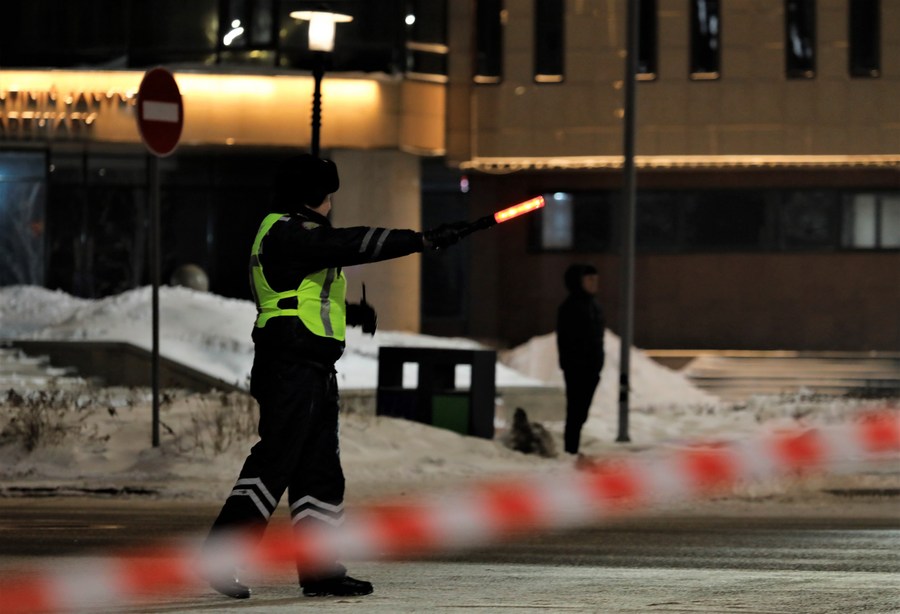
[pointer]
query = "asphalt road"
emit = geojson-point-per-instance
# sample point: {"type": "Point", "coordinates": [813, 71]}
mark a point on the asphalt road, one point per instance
{"type": "Point", "coordinates": [798, 559]}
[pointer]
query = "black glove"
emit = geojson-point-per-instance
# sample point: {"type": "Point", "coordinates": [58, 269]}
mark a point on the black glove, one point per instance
{"type": "Point", "coordinates": [362, 315]}
{"type": "Point", "coordinates": [444, 235]}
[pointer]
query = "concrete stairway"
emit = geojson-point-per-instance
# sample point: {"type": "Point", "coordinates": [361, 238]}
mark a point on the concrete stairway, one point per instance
{"type": "Point", "coordinates": [20, 371]}
{"type": "Point", "coordinates": [109, 363]}
{"type": "Point", "coordinates": [738, 375]}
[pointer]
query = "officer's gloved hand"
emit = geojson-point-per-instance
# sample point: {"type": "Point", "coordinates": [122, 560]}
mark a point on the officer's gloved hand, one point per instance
{"type": "Point", "coordinates": [444, 235]}
{"type": "Point", "coordinates": [363, 315]}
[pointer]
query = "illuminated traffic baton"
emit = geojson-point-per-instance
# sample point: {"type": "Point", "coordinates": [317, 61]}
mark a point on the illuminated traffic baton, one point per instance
{"type": "Point", "coordinates": [504, 215]}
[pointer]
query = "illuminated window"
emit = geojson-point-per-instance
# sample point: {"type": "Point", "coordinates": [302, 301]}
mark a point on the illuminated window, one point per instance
{"type": "Point", "coordinates": [889, 231]}
{"type": "Point", "coordinates": [800, 38]}
{"type": "Point", "coordinates": [556, 222]}
{"type": "Point", "coordinates": [580, 221]}
{"type": "Point", "coordinates": [488, 41]}
{"type": "Point", "coordinates": [865, 38]}
{"type": "Point", "coordinates": [706, 27]}
{"type": "Point", "coordinates": [549, 40]}
{"type": "Point", "coordinates": [872, 221]}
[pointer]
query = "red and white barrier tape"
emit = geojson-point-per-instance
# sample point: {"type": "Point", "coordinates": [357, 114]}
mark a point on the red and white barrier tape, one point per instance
{"type": "Point", "coordinates": [475, 516]}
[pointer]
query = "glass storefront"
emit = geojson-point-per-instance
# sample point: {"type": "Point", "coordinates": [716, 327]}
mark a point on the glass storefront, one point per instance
{"type": "Point", "coordinates": [23, 193]}
{"type": "Point", "coordinates": [97, 218]}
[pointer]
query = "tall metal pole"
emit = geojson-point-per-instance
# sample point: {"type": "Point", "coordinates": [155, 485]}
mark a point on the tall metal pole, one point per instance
{"type": "Point", "coordinates": [153, 170]}
{"type": "Point", "coordinates": [628, 219]}
{"type": "Point", "coordinates": [318, 73]}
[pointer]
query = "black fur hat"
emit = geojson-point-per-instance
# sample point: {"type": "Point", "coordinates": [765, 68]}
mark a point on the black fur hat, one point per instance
{"type": "Point", "coordinates": [575, 273]}
{"type": "Point", "coordinates": [305, 180]}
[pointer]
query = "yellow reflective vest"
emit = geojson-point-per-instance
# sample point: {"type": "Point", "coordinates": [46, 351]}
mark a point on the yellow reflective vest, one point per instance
{"type": "Point", "coordinates": [319, 301]}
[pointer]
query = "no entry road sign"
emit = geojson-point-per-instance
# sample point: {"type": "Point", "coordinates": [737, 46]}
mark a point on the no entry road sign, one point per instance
{"type": "Point", "coordinates": [160, 112]}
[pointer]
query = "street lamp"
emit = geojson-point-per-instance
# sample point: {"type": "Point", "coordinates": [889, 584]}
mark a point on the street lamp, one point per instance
{"type": "Point", "coordinates": [321, 41]}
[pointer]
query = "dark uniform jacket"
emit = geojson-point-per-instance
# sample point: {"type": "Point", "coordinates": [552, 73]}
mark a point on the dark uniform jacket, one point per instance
{"type": "Point", "coordinates": [579, 329]}
{"type": "Point", "coordinates": [306, 243]}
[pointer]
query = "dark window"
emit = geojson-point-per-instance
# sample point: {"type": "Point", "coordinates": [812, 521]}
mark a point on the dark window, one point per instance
{"type": "Point", "coordinates": [247, 32]}
{"type": "Point", "coordinates": [706, 27]}
{"type": "Point", "coordinates": [373, 41]}
{"type": "Point", "coordinates": [800, 39]}
{"type": "Point", "coordinates": [426, 39]}
{"type": "Point", "coordinates": [42, 33]}
{"type": "Point", "coordinates": [445, 276]}
{"type": "Point", "coordinates": [865, 38]}
{"type": "Point", "coordinates": [117, 34]}
{"type": "Point", "coordinates": [488, 41]}
{"type": "Point", "coordinates": [166, 31]}
{"type": "Point", "coordinates": [647, 40]}
{"type": "Point", "coordinates": [246, 24]}
{"type": "Point", "coordinates": [549, 40]}
{"type": "Point", "coordinates": [657, 220]}
{"type": "Point", "coordinates": [725, 219]}
{"type": "Point", "coordinates": [428, 23]}
{"type": "Point", "coordinates": [594, 219]}
{"type": "Point", "coordinates": [426, 65]}
{"type": "Point", "coordinates": [809, 220]}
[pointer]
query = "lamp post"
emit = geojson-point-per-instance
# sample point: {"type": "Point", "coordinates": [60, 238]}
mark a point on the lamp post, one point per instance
{"type": "Point", "coordinates": [628, 222]}
{"type": "Point", "coordinates": [321, 41]}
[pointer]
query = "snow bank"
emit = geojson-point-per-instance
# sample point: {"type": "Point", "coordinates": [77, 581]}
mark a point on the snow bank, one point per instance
{"type": "Point", "coordinates": [651, 383]}
{"type": "Point", "coordinates": [86, 437]}
{"type": "Point", "coordinates": [208, 332]}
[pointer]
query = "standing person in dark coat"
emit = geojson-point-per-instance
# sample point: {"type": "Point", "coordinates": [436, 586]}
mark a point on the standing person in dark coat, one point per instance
{"type": "Point", "coordinates": [298, 284]}
{"type": "Point", "coordinates": [579, 339]}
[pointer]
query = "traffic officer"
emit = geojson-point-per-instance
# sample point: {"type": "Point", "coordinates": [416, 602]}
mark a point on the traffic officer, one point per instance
{"type": "Point", "coordinates": [299, 288]}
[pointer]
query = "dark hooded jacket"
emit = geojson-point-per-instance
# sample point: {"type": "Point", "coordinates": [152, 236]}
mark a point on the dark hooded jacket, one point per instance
{"type": "Point", "coordinates": [580, 326]}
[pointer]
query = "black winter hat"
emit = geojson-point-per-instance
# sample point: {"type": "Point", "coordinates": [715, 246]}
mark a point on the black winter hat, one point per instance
{"type": "Point", "coordinates": [575, 273]}
{"type": "Point", "coordinates": [305, 180]}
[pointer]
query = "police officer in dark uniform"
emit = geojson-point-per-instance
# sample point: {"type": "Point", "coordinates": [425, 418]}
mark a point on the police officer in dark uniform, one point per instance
{"type": "Point", "coordinates": [580, 327]}
{"type": "Point", "coordinates": [299, 287]}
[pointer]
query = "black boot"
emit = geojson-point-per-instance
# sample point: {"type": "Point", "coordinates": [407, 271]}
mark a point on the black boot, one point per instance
{"type": "Point", "coordinates": [230, 587]}
{"type": "Point", "coordinates": [337, 586]}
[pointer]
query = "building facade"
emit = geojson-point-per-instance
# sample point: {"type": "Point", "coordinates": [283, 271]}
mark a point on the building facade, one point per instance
{"type": "Point", "coordinates": [768, 173]}
{"type": "Point", "coordinates": [768, 155]}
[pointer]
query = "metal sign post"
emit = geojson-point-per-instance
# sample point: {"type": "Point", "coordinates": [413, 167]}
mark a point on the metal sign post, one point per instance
{"type": "Point", "coordinates": [160, 119]}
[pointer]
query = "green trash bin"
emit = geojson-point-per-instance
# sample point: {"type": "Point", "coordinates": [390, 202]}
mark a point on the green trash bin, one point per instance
{"type": "Point", "coordinates": [451, 412]}
{"type": "Point", "coordinates": [436, 398]}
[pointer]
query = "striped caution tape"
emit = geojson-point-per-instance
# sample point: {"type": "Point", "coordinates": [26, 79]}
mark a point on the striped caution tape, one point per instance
{"type": "Point", "coordinates": [473, 516]}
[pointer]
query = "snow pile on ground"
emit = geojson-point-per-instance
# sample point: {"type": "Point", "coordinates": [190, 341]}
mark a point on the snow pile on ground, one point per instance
{"type": "Point", "coordinates": [651, 383]}
{"type": "Point", "coordinates": [208, 332]}
{"type": "Point", "coordinates": [84, 438]}
{"type": "Point", "coordinates": [97, 440]}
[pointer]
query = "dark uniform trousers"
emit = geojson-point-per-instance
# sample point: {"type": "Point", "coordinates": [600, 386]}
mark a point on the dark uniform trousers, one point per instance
{"type": "Point", "coordinates": [297, 450]}
{"type": "Point", "coordinates": [580, 387]}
